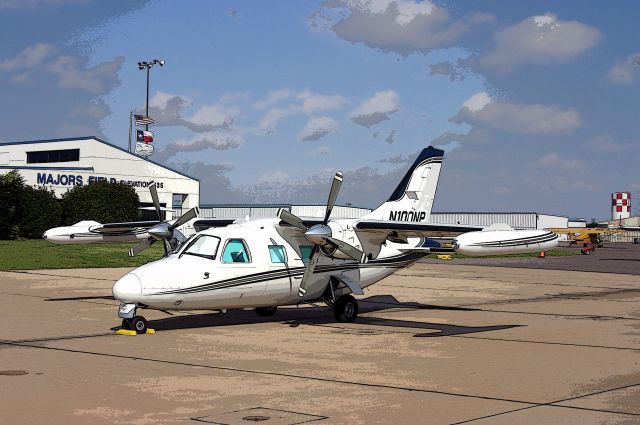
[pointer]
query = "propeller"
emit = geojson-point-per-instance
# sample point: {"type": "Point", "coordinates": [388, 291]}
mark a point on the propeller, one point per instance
{"type": "Point", "coordinates": [320, 235]}
{"type": "Point", "coordinates": [164, 231]}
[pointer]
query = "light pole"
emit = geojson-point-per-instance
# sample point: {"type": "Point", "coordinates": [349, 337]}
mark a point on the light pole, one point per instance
{"type": "Point", "coordinates": [148, 66]}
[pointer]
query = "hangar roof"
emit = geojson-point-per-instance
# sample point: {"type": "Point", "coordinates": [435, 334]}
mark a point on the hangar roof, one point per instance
{"type": "Point", "coordinates": [75, 139]}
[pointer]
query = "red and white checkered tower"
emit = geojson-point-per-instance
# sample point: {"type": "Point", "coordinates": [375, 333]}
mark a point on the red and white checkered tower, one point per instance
{"type": "Point", "coordinates": [620, 205]}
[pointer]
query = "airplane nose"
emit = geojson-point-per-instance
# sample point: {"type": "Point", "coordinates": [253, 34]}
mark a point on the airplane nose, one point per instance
{"type": "Point", "coordinates": [128, 289]}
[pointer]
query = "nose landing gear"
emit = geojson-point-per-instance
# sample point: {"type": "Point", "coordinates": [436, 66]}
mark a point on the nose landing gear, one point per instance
{"type": "Point", "coordinates": [137, 323]}
{"type": "Point", "coordinates": [130, 321]}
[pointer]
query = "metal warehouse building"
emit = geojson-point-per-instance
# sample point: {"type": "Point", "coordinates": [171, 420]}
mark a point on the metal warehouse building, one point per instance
{"type": "Point", "coordinates": [517, 220]}
{"type": "Point", "coordinates": [61, 164]}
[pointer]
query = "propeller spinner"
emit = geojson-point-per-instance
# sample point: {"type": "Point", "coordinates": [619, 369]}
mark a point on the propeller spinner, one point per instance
{"type": "Point", "coordinates": [163, 231]}
{"type": "Point", "coordinates": [320, 235]}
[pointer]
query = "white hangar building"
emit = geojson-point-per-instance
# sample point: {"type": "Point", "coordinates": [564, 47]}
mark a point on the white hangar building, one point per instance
{"type": "Point", "coordinates": [61, 164]}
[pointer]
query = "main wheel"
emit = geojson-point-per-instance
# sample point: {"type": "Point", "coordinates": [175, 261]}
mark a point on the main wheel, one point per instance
{"type": "Point", "coordinates": [346, 309]}
{"type": "Point", "coordinates": [266, 311]}
{"type": "Point", "coordinates": [126, 324]}
{"type": "Point", "coordinates": [138, 324]}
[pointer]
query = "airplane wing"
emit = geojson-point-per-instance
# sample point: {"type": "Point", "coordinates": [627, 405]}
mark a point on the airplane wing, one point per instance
{"type": "Point", "coordinates": [207, 223]}
{"type": "Point", "coordinates": [373, 233]}
{"type": "Point", "coordinates": [411, 230]}
{"type": "Point", "coordinates": [115, 228]}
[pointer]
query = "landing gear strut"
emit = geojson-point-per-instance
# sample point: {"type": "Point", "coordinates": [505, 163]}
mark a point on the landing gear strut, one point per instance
{"type": "Point", "coordinates": [129, 319]}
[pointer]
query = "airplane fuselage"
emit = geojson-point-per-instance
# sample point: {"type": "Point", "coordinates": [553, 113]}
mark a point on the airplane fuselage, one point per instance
{"type": "Point", "coordinates": [247, 265]}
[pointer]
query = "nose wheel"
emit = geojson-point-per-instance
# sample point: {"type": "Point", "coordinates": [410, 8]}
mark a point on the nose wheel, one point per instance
{"type": "Point", "coordinates": [138, 324]}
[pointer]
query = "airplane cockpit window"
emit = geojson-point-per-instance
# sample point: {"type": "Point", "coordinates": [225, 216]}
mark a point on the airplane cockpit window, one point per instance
{"type": "Point", "coordinates": [203, 246]}
{"type": "Point", "coordinates": [305, 253]}
{"type": "Point", "coordinates": [236, 251]}
{"type": "Point", "coordinates": [277, 254]}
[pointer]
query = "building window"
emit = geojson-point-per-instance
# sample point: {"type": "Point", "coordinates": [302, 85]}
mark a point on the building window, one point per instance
{"type": "Point", "coordinates": [62, 155]}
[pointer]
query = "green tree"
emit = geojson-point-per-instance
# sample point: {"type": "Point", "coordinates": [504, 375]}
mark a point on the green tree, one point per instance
{"type": "Point", "coordinates": [12, 204]}
{"type": "Point", "coordinates": [100, 201]}
{"type": "Point", "coordinates": [42, 211]}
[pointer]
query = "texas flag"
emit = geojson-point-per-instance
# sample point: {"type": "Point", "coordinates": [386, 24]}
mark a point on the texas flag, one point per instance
{"type": "Point", "coordinates": [144, 136]}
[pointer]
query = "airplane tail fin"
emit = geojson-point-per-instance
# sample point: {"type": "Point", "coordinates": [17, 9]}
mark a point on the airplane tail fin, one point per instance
{"type": "Point", "coordinates": [413, 199]}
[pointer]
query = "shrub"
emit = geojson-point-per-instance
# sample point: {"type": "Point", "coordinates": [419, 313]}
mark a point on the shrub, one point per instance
{"type": "Point", "coordinates": [100, 201]}
{"type": "Point", "coordinates": [42, 211]}
{"type": "Point", "coordinates": [12, 204]}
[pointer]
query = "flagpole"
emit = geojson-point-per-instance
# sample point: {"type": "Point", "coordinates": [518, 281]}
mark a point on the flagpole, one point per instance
{"type": "Point", "coordinates": [130, 128]}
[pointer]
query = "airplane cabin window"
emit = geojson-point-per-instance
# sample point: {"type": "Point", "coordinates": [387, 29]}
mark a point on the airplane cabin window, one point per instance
{"type": "Point", "coordinates": [236, 251]}
{"type": "Point", "coordinates": [305, 253]}
{"type": "Point", "coordinates": [203, 246]}
{"type": "Point", "coordinates": [277, 254]}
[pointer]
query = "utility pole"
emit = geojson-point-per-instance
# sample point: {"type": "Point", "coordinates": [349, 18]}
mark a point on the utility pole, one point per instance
{"type": "Point", "coordinates": [148, 66]}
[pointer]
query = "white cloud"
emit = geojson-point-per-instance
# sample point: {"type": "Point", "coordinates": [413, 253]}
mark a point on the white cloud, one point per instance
{"type": "Point", "coordinates": [167, 110]}
{"type": "Point", "coordinates": [481, 110]}
{"type": "Point", "coordinates": [477, 102]}
{"type": "Point", "coordinates": [71, 72]}
{"type": "Point", "coordinates": [303, 102]}
{"type": "Point", "coordinates": [553, 160]}
{"type": "Point", "coordinates": [391, 138]}
{"type": "Point", "coordinates": [96, 80]}
{"type": "Point", "coordinates": [212, 140]}
{"type": "Point", "coordinates": [34, 4]}
{"type": "Point", "coordinates": [376, 109]}
{"type": "Point", "coordinates": [313, 102]}
{"type": "Point", "coordinates": [273, 98]}
{"type": "Point", "coordinates": [539, 39]}
{"type": "Point", "coordinates": [317, 128]}
{"type": "Point", "coordinates": [270, 120]}
{"type": "Point", "coordinates": [401, 26]}
{"type": "Point", "coordinates": [29, 58]}
{"type": "Point", "coordinates": [604, 143]}
{"type": "Point", "coordinates": [274, 177]}
{"type": "Point", "coordinates": [446, 69]}
{"type": "Point", "coordinates": [626, 71]}
{"type": "Point", "coordinates": [218, 116]}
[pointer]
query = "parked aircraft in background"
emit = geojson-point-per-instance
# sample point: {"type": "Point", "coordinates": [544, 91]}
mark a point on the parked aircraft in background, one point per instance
{"type": "Point", "coordinates": [170, 232]}
{"type": "Point", "coordinates": [588, 237]}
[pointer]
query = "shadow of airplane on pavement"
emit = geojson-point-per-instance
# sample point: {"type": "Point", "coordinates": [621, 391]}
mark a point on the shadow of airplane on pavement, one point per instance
{"type": "Point", "coordinates": [294, 317]}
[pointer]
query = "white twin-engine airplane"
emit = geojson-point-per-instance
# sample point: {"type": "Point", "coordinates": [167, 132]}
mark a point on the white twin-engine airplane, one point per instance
{"type": "Point", "coordinates": [266, 263]}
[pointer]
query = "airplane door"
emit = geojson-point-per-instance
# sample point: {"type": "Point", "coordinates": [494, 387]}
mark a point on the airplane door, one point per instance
{"type": "Point", "coordinates": [237, 261]}
{"type": "Point", "coordinates": [282, 283]}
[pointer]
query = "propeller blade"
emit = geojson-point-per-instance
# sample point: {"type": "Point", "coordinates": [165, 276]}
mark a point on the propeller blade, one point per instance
{"type": "Point", "coordinates": [350, 250]}
{"type": "Point", "coordinates": [333, 195]}
{"type": "Point", "coordinates": [141, 246]}
{"type": "Point", "coordinates": [191, 214]}
{"type": "Point", "coordinates": [308, 273]}
{"type": "Point", "coordinates": [156, 202]}
{"type": "Point", "coordinates": [293, 220]}
{"type": "Point", "coordinates": [167, 247]}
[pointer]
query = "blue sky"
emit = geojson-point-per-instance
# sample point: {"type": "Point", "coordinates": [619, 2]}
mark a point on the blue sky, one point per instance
{"type": "Point", "coordinates": [535, 103]}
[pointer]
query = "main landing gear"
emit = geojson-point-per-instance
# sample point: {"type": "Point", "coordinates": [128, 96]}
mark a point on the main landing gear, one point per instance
{"type": "Point", "coordinates": [266, 311]}
{"type": "Point", "coordinates": [345, 309]}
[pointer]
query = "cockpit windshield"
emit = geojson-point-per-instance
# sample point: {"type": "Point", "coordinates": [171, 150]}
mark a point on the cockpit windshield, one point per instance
{"type": "Point", "coordinates": [205, 246]}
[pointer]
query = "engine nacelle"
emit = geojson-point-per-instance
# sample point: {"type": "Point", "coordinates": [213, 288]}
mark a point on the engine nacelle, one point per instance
{"type": "Point", "coordinates": [497, 242]}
